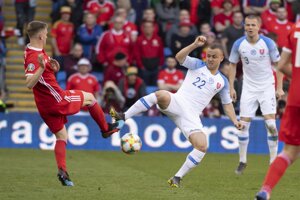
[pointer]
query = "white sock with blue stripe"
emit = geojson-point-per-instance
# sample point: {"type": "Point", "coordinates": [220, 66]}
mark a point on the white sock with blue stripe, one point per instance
{"type": "Point", "coordinates": [192, 160]}
{"type": "Point", "coordinates": [272, 138]}
{"type": "Point", "coordinates": [244, 141]}
{"type": "Point", "coordinates": [142, 105]}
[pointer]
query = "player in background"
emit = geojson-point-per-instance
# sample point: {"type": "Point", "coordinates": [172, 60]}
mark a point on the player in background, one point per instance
{"type": "Point", "coordinates": [202, 82]}
{"type": "Point", "coordinates": [55, 104]}
{"type": "Point", "coordinates": [290, 128]}
{"type": "Point", "coordinates": [257, 53]}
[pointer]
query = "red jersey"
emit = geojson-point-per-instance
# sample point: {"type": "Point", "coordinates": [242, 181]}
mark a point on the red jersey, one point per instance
{"type": "Point", "coordinates": [111, 43]}
{"type": "Point", "coordinates": [149, 48]}
{"type": "Point", "coordinates": [267, 17]}
{"type": "Point", "coordinates": [63, 32]}
{"type": "Point", "coordinates": [293, 46]}
{"type": "Point", "coordinates": [46, 92]}
{"type": "Point", "coordinates": [87, 83]}
{"type": "Point", "coordinates": [128, 27]}
{"type": "Point", "coordinates": [104, 11]}
{"type": "Point", "coordinates": [281, 29]}
{"type": "Point", "coordinates": [223, 19]}
{"type": "Point", "coordinates": [170, 77]}
{"type": "Point", "coordinates": [219, 3]}
{"type": "Point", "coordinates": [114, 73]}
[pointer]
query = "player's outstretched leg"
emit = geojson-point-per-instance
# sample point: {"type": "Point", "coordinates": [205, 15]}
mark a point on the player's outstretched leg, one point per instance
{"type": "Point", "coordinates": [112, 128]}
{"type": "Point", "coordinates": [64, 178]}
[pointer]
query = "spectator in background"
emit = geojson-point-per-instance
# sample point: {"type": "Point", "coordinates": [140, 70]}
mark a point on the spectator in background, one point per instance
{"type": "Point", "coordinates": [76, 12]}
{"type": "Point", "coordinates": [115, 71]}
{"type": "Point", "coordinates": [224, 19]}
{"type": "Point", "coordinates": [254, 7]}
{"type": "Point", "coordinates": [183, 16]}
{"type": "Point", "coordinates": [83, 80]}
{"type": "Point", "coordinates": [88, 35]}
{"type": "Point", "coordinates": [111, 97]}
{"type": "Point", "coordinates": [150, 16]}
{"type": "Point", "coordinates": [233, 32]}
{"type": "Point", "coordinates": [132, 87]}
{"type": "Point", "coordinates": [280, 26]}
{"type": "Point", "coordinates": [182, 38]}
{"type": "Point", "coordinates": [149, 53]}
{"type": "Point", "coordinates": [269, 15]}
{"type": "Point", "coordinates": [217, 8]}
{"type": "Point", "coordinates": [114, 41]}
{"type": "Point", "coordinates": [167, 12]}
{"type": "Point", "coordinates": [129, 27]}
{"type": "Point", "coordinates": [212, 110]}
{"type": "Point", "coordinates": [130, 12]}
{"type": "Point", "coordinates": [103, 9]}
{"type": "Point", "coordinates": [62, 35]}
{"type": "Point", "coordinates": [205, 28]}
{"type": "Point", "coordinates": [71, 60]}
{"type": "Point", "coordinates": [25, 11]}
{"type": "Point", "coordinates": [170, 78]}
{"type": "Point", "coordinates": [139, 7]}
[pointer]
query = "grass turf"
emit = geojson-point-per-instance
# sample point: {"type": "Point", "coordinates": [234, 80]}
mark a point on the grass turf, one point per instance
{"type": "Point", "coordinates": [31, 174]}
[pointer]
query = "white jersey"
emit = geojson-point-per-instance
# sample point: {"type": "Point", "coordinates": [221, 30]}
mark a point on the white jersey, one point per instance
{"type": "Point", "coordinates": [200, 86]}
{"type": "Point", "coordinates": [257, 61]}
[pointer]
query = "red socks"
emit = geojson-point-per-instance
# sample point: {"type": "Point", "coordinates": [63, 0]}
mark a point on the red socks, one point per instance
{"type": "Point", "coordinates": [98, 115]}
{"type": "Point", "coordinates": [275, 172]}
{"type": "Point", "coordinates": [60, 154]}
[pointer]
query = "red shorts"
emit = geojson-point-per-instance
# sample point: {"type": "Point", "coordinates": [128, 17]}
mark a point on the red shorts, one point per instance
{"type": "Point", "coordinates": [290, 126]}
{"type": "Point", "coordinates": [55, 116]}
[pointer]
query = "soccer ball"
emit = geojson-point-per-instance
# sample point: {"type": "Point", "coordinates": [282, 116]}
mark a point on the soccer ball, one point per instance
{"type": "Point", "coordinates": [130, 143]}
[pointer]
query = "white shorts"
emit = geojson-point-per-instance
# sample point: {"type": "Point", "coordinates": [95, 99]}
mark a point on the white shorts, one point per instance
{"type": "Point", "coordinates": [251, 100]}
{"type": "Point", "coordinates": [183, 115]}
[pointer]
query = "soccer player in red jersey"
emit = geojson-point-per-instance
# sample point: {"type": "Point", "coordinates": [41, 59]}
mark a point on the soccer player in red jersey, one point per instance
{"type": "Point", "coordinates": [55, 104]}
{"type": "Point", "coordinates": [290, 127]}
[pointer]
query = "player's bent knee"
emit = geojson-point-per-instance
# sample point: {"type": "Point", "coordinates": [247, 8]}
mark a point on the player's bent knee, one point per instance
{"type": "Point", "coordinates": [201, 147]}
{"type": "Point", "coordinates": [88, 98]}
{"type": "Point", "coordinates": [271, 126]}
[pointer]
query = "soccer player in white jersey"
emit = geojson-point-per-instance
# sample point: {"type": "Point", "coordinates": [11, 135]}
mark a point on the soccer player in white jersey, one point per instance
{"type": "Point", "coordinates": [202, 82]}
{"type": "Point", "coordinates": [257, 54]}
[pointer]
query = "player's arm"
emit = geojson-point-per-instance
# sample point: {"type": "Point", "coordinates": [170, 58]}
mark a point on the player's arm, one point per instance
{"type": "Point", "coordinates": [279, 78]}
{"type": "Point", "coordinates": [231, 78]}
{"type": "Point", "coordinates": [284, 63]}
{"type": "Point", "coordinates": [31, 80]}
{"type": "Point", "coordinates": [183, 53]}
{"type": "Point", "coordinates": [230, 112]}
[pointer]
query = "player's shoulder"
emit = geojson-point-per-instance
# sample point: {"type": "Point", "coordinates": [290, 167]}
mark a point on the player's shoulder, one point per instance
{"type": "Point", "coordinates": [239, 41]}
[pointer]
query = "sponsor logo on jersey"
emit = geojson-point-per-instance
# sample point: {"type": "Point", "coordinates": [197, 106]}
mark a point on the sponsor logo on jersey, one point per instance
{"type": "Point", "coordinates": [30, 67]}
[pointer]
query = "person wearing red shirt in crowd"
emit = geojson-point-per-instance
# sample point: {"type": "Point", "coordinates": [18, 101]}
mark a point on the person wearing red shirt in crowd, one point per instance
{"type": "Point", "coordinates": [132, 87]}
{"type": "Point", "coordinates": [83, 80]}
{"type": "Point", "coordinates": [116, 70]}
{"type": "Point", "coordinates": [170, 79]}
{"type": "Point", "coordinates": [149, 53]}
{"type": "Point", "coordinates": [281, 26]}
{"type": "Point", "coordinates": [103, 9]}
{"type": "Point", "coordinates": [290, 128]}
{"type": "Point", "coordinates": [53, 103]}
{"type": "Point", "coordinates": [149, 15]}
{"type": "Point", "coordinates": [269, 15]}
{"type": "Point", "coordinates": [217, 6]}
{"type": "Point", "coordinates": [224, 19]}
{"type": "Point", "coordinates": [129, 27]}
{"type": "Point", "coordinates": [114, 41]}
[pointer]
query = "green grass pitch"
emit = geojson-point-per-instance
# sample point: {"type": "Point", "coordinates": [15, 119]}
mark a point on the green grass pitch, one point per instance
{"type": "Point", "coordinates": [31, 174]}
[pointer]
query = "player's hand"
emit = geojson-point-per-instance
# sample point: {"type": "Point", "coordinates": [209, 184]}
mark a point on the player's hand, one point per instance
{"type": "Point", "coordinates": [239, 125]}
{"type": "Point", "coordinates": [279, 93]}
{"type": "Point", "coordinates": [54, 65]}
{"type": "Point", "coordinates": [41, 60]}
{"type": "Point", "coordinates": [200, 41]}
{"type": "Point", "coordinates": [233, 94]}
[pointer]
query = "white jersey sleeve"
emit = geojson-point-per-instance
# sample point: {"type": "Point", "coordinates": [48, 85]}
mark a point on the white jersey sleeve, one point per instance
{"type": "Point", "coordinates": [234, 54]}
{"type": "Point", "coordinates": [273, 51]}
{"type": "Point", "coordinates": [193, 63]}
{"type": "Point", "coordinates": [225, 92]}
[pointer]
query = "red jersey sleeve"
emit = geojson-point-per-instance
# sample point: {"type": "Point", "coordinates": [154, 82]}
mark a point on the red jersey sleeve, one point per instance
{"type": "Point", "coordinates": [31, 64]}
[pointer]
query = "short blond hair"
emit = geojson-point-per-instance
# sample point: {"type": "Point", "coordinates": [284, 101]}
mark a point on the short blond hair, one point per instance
{"type": "Point", "coordinates": [35, 27]}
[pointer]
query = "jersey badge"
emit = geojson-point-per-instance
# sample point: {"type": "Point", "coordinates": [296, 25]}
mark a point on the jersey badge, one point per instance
{"type": "Point", "coordinates": [262, 51]}
{"type": "Point", "coordinates": [218, 85]}
{"type": "Point", "coordinates": [30, 67]}
{"type": "Point", "coordinates": [253, 52]}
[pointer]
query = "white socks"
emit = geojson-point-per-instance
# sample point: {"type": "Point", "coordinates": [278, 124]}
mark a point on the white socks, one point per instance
{"type": "Point", "coordinates": [272, 138]}
{"type": "Point", "coordinates": [192, 160]}
{"type": "Point", "coordinates": [142, 105]}
{"type": "Point", "coordinates": [244, 141]}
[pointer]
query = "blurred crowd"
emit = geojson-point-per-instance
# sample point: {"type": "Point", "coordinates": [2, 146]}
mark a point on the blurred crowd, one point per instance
{"type": "Point", "coordinates": [121, 50]}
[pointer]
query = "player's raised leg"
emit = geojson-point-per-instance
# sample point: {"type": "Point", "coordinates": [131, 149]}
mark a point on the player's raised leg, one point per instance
{"type": "Point", "coordinates": [60, 156]}
{"type": "Point", "coordinates": [97, 114]}
{"type": "Point", "coordinates": [199, 142]}
{"type": "Point", "coordinates": [243, 137]}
